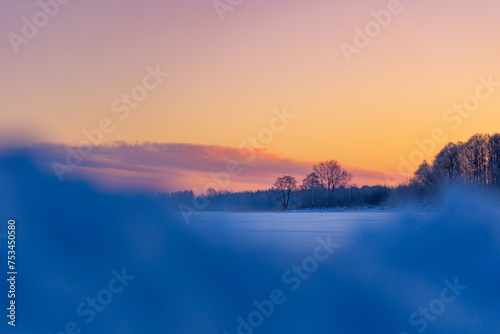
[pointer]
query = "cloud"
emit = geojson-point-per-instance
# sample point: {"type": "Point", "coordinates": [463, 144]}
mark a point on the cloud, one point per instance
{"type": "Point", "coordinates": [173, 166]}
{"type": "Point", "coordinates": [386, 277]}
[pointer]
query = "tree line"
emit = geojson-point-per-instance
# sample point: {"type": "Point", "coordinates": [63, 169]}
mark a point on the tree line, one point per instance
{"type": "Point", "coordinates": [475, 162]}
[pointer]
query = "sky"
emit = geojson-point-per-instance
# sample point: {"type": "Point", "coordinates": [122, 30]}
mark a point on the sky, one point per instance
{"type": "Point", "coordinates": [229, 72]}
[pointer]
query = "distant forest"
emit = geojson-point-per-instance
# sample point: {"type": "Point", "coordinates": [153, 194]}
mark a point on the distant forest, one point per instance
{"type": "Point", "coordinates": [472, 164]}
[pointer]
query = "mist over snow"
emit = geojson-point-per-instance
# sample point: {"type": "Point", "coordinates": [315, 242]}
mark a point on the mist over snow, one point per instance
{"type": "Point", "coordinates": [202, 277]}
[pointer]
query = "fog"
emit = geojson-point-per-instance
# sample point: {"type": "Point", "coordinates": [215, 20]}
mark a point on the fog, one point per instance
{"type": "Point", "coordinates": [379, 272]}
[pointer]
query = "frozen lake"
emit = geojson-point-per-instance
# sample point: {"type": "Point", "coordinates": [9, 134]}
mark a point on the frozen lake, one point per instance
{"type": "Point", "coordinates": [293, 230]}
{"type": "Point", "coordinates": [220, 273]}
{"type": "Point", "coordinates": [388, 265]}
{"type": "Point", "coordinates": [296, 221]}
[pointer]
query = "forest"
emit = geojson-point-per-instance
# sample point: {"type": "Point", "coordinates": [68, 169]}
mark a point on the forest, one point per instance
{"type": "Point", "coordinates": [474, 164]}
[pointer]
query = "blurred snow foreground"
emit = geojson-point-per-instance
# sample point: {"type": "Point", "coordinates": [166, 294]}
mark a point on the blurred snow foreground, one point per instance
{"type": "Point", "coordinates": [394, 273]}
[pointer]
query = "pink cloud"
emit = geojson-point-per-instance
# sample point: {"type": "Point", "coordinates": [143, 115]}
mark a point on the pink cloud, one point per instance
{"type": "Point", "coordinates": [172, 167]}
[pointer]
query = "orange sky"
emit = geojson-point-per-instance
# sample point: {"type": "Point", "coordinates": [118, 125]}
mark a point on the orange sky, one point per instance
{"type": "Point", "coordinates": [227, 77]}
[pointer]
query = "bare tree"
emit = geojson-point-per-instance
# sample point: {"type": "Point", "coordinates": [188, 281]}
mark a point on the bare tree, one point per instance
{"type": "Point", "coordinates": [425, 175]}
{"type": "Point", "coordinates": [283, 189]}
{"type": "Point", "coordinates": [311, 191]}
{"type": "Point", "coordinates": [450, 163]}
{"type": "Point", "coordinates": [311, 182]}
{"type": "Point", "coordinates": [211, 192]}
{"type": "Point", "coordinates": [494, 159]}
{"type": "Point", "coordinates": [331, 175]}
{"type": "Point", "coordinates": [476, 151]}
{"type": "Point", "coordinates": [476, 161]}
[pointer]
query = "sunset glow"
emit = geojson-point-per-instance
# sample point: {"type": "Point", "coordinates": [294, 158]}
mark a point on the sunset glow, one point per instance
{"type": "Point", "coordinates": [226, 77]}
